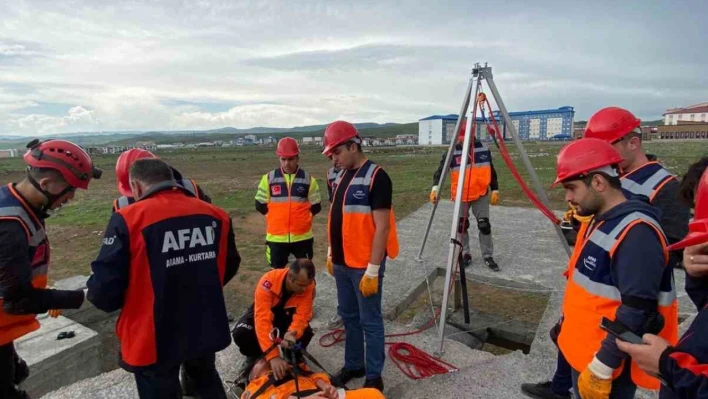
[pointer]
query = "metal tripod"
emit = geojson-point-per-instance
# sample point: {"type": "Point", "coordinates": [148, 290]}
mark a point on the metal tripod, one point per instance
{"type": "Point", "coordinates": [479, 73]}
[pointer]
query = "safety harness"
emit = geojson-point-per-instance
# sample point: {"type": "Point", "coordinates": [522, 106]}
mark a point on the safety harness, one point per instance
{"type": "Point", "coordinates": [292, 352]}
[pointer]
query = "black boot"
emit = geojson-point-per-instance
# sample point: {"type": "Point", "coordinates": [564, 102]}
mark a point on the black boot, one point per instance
{"type": "Point", "coordinates": [344, 376]}
{"type": "Point", "coordinates": [21, 371]}
{"type": "Point", "coordinates": [14, 393]}
{"type": "Point", "coordinates": [491, 264]}
{"type": "Point", "coordinates": [375, 383]}
{"type": "Point", "coordinates": [185, 381]}
{"type": "Point", "coordinates": [542, 390]}
{"type": "Point", "coordinates": [467, 261]}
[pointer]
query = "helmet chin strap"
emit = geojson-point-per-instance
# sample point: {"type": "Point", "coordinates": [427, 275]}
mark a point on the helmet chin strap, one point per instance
{"type": "Point", "coordinates": [51, 198]}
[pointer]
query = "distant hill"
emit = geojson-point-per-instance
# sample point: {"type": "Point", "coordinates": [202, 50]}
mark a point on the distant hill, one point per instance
{"type": "Point", "coordinates": [227, 134]}
{"type": "Point", "coordinates": [272, 130]}
{"type": "Point", "coordinates": [192, 136]}
{"type": "Point", "coordinates": [658, 122]}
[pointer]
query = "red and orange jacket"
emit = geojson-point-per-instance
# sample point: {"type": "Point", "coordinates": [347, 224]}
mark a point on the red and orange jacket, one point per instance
{"type": "Point", "coordinates": [164, 261]}
{"type": "Point", "coordinates": [267, 296]}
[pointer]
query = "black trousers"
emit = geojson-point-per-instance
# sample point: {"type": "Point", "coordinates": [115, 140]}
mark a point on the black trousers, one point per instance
{"type": "Point", "coordinates": [13, 370]}
{"type": "Point", "coordinates": [277, 253]}
{"type": "Point", "coordinates": [162, 382]}
{"type": "Point", "coordinates": [245, 337]}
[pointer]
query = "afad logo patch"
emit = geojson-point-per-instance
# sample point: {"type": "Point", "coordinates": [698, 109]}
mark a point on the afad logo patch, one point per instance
{"type": "Point", "coordinates": [590, 262]}
{"type": "Point", "coordinates": [275, 190]}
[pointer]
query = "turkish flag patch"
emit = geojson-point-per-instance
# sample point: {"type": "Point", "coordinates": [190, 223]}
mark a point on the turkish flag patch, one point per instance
{"type": "Point", "coordinates": [267, 284]}
{"type": "Point", "coordinates": [458, 159]}
{"type": "Point", "coordinates": [275, 190]}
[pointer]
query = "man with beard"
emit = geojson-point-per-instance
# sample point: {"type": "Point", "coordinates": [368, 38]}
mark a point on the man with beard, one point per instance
{"type": "Point", "coordinates": [619, 272]}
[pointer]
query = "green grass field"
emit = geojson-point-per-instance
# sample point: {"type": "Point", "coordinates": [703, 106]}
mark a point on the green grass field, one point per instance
{"type": "Point", "coordinates": [230, 177]}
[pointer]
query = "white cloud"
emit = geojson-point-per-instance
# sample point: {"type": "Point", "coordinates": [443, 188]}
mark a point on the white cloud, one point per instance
{"type": "Point", "coordinates": [131, 65]}
{"type": "Point", "coordinates": [77, 119]}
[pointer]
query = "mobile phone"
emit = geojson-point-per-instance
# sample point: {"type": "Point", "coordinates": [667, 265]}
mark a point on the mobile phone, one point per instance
{"type": "Point", "coordinates": [620, 331]}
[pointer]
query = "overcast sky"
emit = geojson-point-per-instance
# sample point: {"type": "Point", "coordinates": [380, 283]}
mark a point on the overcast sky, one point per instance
{"type": "Point", "coordinates": [91, 65]}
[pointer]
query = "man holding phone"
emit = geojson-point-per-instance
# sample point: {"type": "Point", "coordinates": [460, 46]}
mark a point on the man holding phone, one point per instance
{"type": "Point", "coordinates": [683, 367]}
{"type": "Point", "coordinates": [620, 273]}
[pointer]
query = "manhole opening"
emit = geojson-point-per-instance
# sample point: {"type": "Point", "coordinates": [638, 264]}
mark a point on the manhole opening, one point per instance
{"type": "Point", "coordinates": [504, 316]}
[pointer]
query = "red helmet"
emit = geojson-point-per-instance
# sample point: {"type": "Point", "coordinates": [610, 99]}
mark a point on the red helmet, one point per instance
{"type": "Point", "coordinates": [125, 161]}
{"type": "Point", "coordinates": [287, 147]}
{"type": "Point", "coordinates": [67, 158]}
{"type": "Point", "coordinates": [338, 133]}
{"type": "Point", "coordinates": [611, 124]}
{"type": "Point", "coordinates": [583, 156]}
{"type": "Point", "coordinates": [698, 228]}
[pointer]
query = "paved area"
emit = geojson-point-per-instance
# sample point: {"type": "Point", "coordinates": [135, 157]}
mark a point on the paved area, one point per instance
{"type": "Point", "coordinates": [531, 258]}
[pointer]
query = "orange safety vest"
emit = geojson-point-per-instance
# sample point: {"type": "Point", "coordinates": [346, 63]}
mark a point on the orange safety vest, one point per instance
{"type": "Point", "coordinates": [305, 383]}
{"type": "Point", "coordinates": [358, 226]}
{"type": "Point", "coordinates": [289, 206]}
{"type": "Point", "coordinates": [13, 207]}
{"type": "Point", "coordinates": [590, 296]}
{"type": "Point", "coordinates": [478, 174]}
{"type": "Point", "coordinates": [646, 181]}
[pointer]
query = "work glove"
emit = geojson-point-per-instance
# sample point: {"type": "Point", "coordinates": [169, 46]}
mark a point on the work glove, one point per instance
{"type": "Point", "coordinates": [433, 194]}
{"type": "Point", "coordinates": [596, 381]}
{"type": "Point", "coordinates": [369, 284]}
{"type": "Point", "coordinates": [54, 313]}
{"type": "Point", "coordinates": [330, 265]}
{"type": "Point", "coordinates": [582, 219]}
{"type": "Point", "coordinates": [573, 213]}
{"type": "Point", "coordinates": [495, 197]}
{"type": "Point", "coordinates": [568, 215]}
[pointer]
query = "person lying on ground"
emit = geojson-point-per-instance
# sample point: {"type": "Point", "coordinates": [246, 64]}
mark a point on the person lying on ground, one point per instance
{"type": "Point", "coordinates": [311, 385]}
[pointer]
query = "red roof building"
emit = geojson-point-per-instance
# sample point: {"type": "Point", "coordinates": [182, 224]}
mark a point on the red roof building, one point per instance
{"type": "Point", "coordinates": [693, 113]}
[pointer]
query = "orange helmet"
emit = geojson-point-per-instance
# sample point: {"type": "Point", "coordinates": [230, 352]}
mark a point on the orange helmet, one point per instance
{"type": "Point", "coordinates": [583, 156]}
{"type": "Point", "coordinates": [74, 164]}
{"type": "Point", "coordinates": [287, 147]}
{"type": "Point", "coordinates": [698, 228]}
{"type": "Point", "coordinates": [338, 133]}
{"type": "Point", "coordinates": [125, 161]}
{"type": "Point", "coordinates": [611, 124]}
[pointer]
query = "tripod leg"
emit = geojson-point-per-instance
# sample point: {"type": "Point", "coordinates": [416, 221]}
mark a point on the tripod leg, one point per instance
{"type": "Point", "coordinates": [463, 285]}
{"type": "Point", "coordinates": [446, 166]}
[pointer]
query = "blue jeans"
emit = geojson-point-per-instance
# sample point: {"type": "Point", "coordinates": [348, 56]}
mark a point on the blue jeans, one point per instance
{"type": "Point", "coordinates": [363, 321]}
{"type": "Point", "coordinates": [622, 387]}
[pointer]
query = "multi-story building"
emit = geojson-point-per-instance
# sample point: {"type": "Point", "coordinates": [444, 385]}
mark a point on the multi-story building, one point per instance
{"type": "Point", "coordinates": [692, 113]}
{"type": "Point", "coordinates": [547, 124]}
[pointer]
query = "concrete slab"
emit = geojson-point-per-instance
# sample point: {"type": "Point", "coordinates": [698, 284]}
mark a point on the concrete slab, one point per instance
{"type": "Point", "coordinates": [525, 245]}
{"type": "Point", "coordinates": [119, 384]}
{"type": "Point", "coordinates": [55, 363]}
{"type": "Point", "coordinates": [497, 378]}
